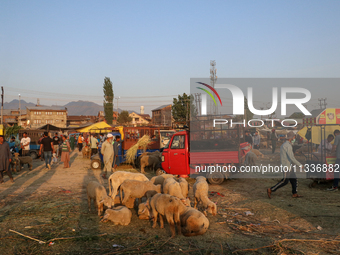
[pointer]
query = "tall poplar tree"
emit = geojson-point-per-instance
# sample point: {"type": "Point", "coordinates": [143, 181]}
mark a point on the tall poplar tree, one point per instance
{"type": "Point", "coordinates": [108, 100]}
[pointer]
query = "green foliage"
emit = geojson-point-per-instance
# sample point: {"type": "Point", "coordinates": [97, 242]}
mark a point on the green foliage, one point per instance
{"type": "Point", "coordinates": [297, 115]}
{"type": "Point", "coordinates": [12, 131]}
{"type": "Point", "coordinates": [182, 107]}
{"type": "Point", "coordinates": [108, 100]}
{"type": "Point", "coordinates": [124, 118]}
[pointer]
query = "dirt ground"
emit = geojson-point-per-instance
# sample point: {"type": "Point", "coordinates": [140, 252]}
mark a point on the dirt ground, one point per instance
{"type": "Point", "coordinates": [51, 207]}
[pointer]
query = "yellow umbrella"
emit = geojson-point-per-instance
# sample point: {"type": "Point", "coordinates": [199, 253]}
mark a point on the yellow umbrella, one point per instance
{"type": "Point", "coordinates": [95, 128]}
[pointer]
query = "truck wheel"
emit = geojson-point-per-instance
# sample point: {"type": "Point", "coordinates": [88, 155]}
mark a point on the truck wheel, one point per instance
{"type": "Point", "coordinates": [96, 164]}
{"type": "Point", "coordinates": [215, 178]}
{"type": "Point", "coordinates": [33, 155]}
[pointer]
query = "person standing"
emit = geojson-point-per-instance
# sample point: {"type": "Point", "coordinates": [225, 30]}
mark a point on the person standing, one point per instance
{"type": "Point", "coordinates": [273, 138]}
{"type": "Point", "coordinates": [25, 144]}
{"type": "Point", "coordinates": [287, 160]}
{"type": "Point", "coordinates": [115, 151]}
{"type": "Point", "coordinates": [56, 142]}
{"type": "Point", "coordinates": [47, 147]}
{"type": "Point", "coordinates": [94, 144]}
{"type": "Point", "coordinates": [336, 148]}
{"type": "Point", "coordinates": [72, 142]}
{"type": "Point", "coordinates": [80, 142]}
{"type": "Point", "coordinates": [65, 152]}
{"type": "Point", "coordinates": [108, 154]}
{"type": "Point", "coordinates": [5, 159]}
{"type": "Point", "coordinates": [257, 140]}
{"type": "Point", "coordinates": [249, 138]}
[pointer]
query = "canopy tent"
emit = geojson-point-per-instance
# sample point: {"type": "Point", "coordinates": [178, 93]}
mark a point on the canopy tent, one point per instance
{"type": "Point", "coordinates": [100, 127]}
{"type": "Point", "coordinates": [316, 132]}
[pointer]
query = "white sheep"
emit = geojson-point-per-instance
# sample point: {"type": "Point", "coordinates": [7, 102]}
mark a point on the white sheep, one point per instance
{"type": "Point", "coordinates": [144, 211]}
{"type": "Point", "coordinates": [136, 189]}
{"type": "Point", "coordinates": [189, 221]}
{"type": "Point", "coordinates": [119, 215]}
{"type": "Point", "coordinates": [173, 188]}
{"type": "Point", "coordinates": [161, 178]}
{"type": "Point", "coordinates": [117, 178]}
{"type": "Point", "coordinates": [184, 186]}
{"type": "Point", "coordinates": [201, 189]}
{"type": "Point", "coordinates": [98, 193]}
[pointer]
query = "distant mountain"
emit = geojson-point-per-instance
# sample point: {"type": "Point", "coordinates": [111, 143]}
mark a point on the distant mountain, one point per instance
{"type": "Point", "coordinates": [14, 104]}
{"type": "Point", "coordinates": [73, 108]}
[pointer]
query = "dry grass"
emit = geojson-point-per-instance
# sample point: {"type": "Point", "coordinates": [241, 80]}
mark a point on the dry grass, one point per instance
{"type": "Point", "coordinates": [132, 152]}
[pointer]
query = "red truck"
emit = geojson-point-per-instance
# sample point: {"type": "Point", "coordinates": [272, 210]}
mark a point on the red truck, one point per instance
{"type": "Point", "coordinates": [187, 150]}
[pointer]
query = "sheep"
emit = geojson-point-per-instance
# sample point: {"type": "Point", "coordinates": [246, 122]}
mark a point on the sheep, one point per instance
{"type": "Point", "coordinates": [184, 186]}
{"type": "Point", "coordinates": [201, 196]}
{"type": "Point", "coordinates": [149, 160]}
{"type": "Point", "coordinates": [189, 221]}
{"type": "Point", "coordinates": [167, 206]}
{"type": "Point", "coordinates": [263, 145]}
{"type": "Point", "coordinates": [129, 204]}
{"type": "Point", "coordinates": [117, 178]}
{"type": "Point", "coordinates": [98, 193]}
{"type": "Point", "coordinates": [173, 188]}
{"type": "Point", "coordinates": [86, 151]}
{"type": "Point", "coordinates": [136, 189]}
{"type": "Point", "coordinates": [119, 215]}
{"type": "Point", "coordinates": [15, 163]}
{"type": "Point", "coordinates": [193, 222]}
{"type": "Point", "coordinates": [26, 160]}
{"type": "Point", "coordinates": [257, 153]}
{"type": "Point", "coordinates": [143, 211]}
{"type": "Point", "coordinates": [161, 178]}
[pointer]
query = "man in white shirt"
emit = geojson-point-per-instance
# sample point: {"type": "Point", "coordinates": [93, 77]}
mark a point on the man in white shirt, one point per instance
{"type": "Point", "coordinates": [25, 144]}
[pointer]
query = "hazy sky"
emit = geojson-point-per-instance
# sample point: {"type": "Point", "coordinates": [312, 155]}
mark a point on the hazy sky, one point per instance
{"type": "Point", "coordinates": [60, 51]}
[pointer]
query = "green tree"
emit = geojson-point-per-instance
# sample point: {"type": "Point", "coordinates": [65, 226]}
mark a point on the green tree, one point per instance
{"type": "Point", "coordinates": [124, 118]}
{"type": "Point", "coordinates": [12, 131]}
{"type": "Point", "coordinates": [182, 108]}
{"type": "Point", "coordinates": [108, 100]}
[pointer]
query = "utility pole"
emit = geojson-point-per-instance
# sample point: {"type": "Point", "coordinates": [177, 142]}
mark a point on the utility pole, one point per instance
{"type": "Point", "coordinates": [324, 104]}
{"type": "Point", "coordinates": [213, 79]}
{"type": "Point", "coordinates": [19, 119]}
{"type": "Point", "coordinates": [2, 105]}
{"type": "Point", "coordinates": [117, 107]}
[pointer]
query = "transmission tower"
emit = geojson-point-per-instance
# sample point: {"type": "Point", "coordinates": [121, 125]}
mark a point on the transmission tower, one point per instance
{"type": "Point", "coordinates": [324, 104]}
{"type": "Point", "coordinates": [198, 103]}
{"type": "Point", "coordinates": [213, 78]}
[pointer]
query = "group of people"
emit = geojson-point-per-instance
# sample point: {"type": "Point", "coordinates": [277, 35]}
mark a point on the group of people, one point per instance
{"type": "Point", "coordinates": [255, 140]}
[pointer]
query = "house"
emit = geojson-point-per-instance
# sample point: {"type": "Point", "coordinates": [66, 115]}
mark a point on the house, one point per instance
{"type": "Point", "coordinates": [139, 119]}
{"type": "Point", "coordinates": [162, 116]}
{"type": "Point", "coordinates": [12, 116]}
{"type": "Point", "coordinates": [38, 116]}
{"type": "Point", "coordinates": [76, 121]}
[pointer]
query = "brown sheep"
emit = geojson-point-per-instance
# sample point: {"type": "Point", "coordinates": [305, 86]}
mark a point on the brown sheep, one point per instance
{"type": "Point", "coordinates": [201, 189]}
{"type": "Point", "coordinates": [98, 193]}
{"type": "Point", "coordinates": [119, 215]}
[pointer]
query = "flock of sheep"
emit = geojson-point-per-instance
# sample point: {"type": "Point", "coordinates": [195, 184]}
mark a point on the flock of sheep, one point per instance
{"type": "Point", "coordinates": [165, 195]}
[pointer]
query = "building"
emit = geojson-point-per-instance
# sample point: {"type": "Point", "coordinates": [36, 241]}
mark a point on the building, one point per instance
{"type": "Point", "coordinates": [80, 120]}
{"type": "Point", "coordinates": [12, 116]}
{"type": "Point", "coordinates": [162, 116]}
{"type": "Point", "coordinates": [139, 119]}
{"type": "Point", "coordinates": [38, 116]}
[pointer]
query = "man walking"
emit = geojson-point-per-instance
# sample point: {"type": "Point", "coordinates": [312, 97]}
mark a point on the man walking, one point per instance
{"type": "Point", "coordinates": [287, 159]}
{"type": "Point", "coordinates": [116, 150]}
{"type": "Point", "coordinates": [25, 144]}
{"type": "Point", "coordinates": [108, 154]}
{"type": "Point", "coordinates": [72, 141]}
{"type": "Point", "coordinates": [248, 138]}
{"type": "Point", "coordinates": [336, 148]}
{"type": "Point", "coordinates": [5, 159]}
{"type": "Point", "coordinates": [80, 142]}
{"type": "Point", "coordinates": [47, 147]}
{"type": "Point", "coordinates": [94, 144]}
{"type": "Point", "coordinates": [56, 142]}
{"type": "Point", "coordinates": [273, 138]}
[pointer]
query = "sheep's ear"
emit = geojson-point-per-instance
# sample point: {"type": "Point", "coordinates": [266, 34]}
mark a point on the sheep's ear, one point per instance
{"type": "Point", "coordinates": [101, 202]}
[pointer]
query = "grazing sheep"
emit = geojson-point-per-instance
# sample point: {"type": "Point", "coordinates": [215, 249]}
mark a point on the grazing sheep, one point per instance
{"type": "Point", "coordinates": [201, 189]}
{"type": "Point", "coordinates": [129, 204]}
{"type": "Point", "coordinates": [149, 160]}
{"type": "Point", "coordinates": [117, 178]}
{"type": "Point", "coordinates": [167, 206]}
{"type": "Point", "coordinates": [143, 211]}
{"type": "Point", "coordinates": [98, 193]}
{"type": "Point", "coordinates": [119, 215]}
{"type": "Point", "coordinates": [136, 189]}
{"type": "Point", "coordinates": [193, 222]}
{"type": "Point", "coordinates": [263, 145]}
{"type": "Point", "coordinates": [161, 178]}
{"type": "Point", "coordinates": [257, 153]}
{"type": "Point", "coordinates": [26, 160]}
{"type": "Point", "coordinates": [250, 159]}
{"type": "Point", "coordinates": [184, 186]}
{"type": "Point", "coordinates": [173, 188]}
{"type": "Point", "coordinates": [189, 221]}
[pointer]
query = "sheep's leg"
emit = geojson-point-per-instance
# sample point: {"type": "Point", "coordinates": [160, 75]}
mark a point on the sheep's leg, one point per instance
{"type": "Point", "coordinates": [178, 222]}
{"type": "Point", "coordinates": [195, 205]}
{"type": "Point", "coordinates": [161, 220]}
{"type": "Point", "coordinates": [155, 214]}
{"type": "Point", "coordinates": [142, 168]}
{"type": "Point", "coordinates": [126, 197]}
{"type": "Point", "coordinates": [89, 203]}
{"type": "Point", "coordinates": [170, 220]}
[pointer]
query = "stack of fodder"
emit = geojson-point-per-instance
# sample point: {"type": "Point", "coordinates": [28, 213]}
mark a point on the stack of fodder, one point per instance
{"type": "Point", "coordinates": [132, 152]}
